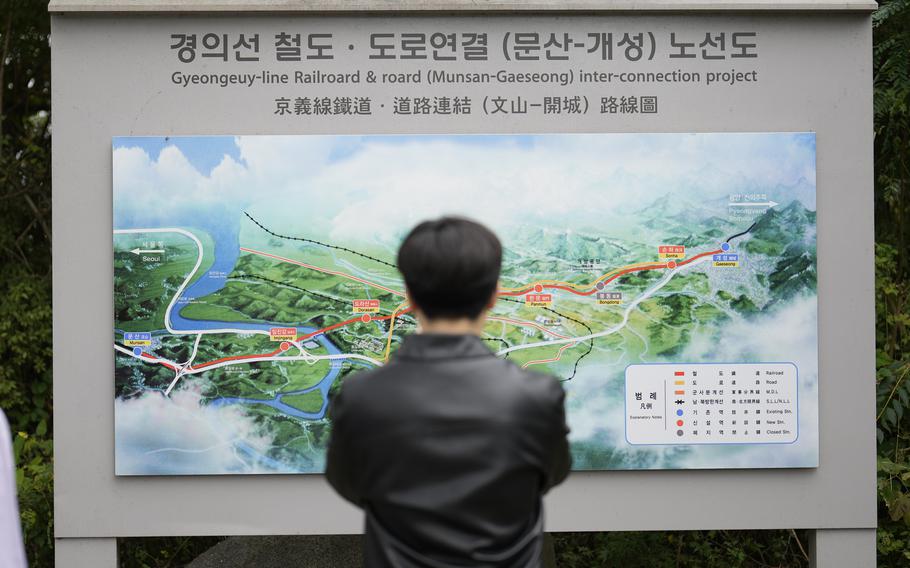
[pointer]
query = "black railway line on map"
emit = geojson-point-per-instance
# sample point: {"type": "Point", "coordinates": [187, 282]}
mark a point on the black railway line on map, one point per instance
{"type": "Point", "coordinates": [500, 340]}
{"type": "Point", "coordinates": [579, 322]}
{"type": "Point", "coordinates": [747, 231]}
{"type": "Point", "coordinates": [380, 261]}
{"type": "Point", "coordinates": [291, 286]}
{"type": "Point", "coordinates": [299, 289]}
{"type": "Point", "coordinates": [315, 242]}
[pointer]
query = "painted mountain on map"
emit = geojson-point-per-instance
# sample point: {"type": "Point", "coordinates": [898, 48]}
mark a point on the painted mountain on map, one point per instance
{"type": "Point", "coordinates": [253, 274]}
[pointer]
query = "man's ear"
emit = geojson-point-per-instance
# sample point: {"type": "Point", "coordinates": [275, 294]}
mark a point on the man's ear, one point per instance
{"type": "Point", "coordinates": [415, 309]}
{"type": "Point", "coordinates": [491, 303]}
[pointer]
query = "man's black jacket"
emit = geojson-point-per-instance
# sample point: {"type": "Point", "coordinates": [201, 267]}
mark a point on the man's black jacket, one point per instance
{"type": "Point", "coordinates": [448, 449]}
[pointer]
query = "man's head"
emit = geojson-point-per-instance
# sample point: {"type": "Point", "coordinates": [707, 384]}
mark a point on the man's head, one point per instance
{"type": "Point", "coordinates": [451, 268]}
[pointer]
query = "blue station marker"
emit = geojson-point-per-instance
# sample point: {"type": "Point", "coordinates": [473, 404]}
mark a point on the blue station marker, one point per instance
{"type": "Point", "coordinates": [137, 351]}
{"type": "Point", "coordinates": [679, 412]}
{"type": "Point", "coordinates": [725, 247]}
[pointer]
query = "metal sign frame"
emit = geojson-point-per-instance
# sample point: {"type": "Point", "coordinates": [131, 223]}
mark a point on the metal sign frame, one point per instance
{"type": "Point", "coordinates": [100, 90]}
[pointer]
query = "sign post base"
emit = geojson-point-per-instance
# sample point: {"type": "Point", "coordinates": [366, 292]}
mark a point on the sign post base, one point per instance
{"type": "Point", "coordinates": [85, 553]}
{"type": "Point", "coordinates": [837, 548]}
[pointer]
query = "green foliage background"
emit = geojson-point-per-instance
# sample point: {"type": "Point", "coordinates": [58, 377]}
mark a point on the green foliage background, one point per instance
{"type": "Point", "coordinates": [25, 323]}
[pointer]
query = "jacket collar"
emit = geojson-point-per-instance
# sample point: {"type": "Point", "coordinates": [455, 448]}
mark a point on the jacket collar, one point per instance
{"type": "Point", "coordinates": [442, 346]}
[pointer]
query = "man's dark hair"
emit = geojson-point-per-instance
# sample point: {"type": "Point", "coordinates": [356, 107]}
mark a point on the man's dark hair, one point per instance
{"type": "Point", "coordinates": [451, 267]}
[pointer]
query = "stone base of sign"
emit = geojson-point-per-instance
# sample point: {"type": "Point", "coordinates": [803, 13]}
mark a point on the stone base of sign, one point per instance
{"type": "Point", "coordinates": [303, 551]}
{"type": "Point", "coordinates": [85, 552]}
{"type": "Point", "coordinates": [283, 551]}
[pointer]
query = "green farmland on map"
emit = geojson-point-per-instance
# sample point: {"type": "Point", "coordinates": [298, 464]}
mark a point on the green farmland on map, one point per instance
{"type": "Point", "coordinates": [252, 275]}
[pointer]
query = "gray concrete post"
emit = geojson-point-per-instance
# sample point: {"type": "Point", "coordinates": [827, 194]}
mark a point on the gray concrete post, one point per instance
{"type": "Point", "coordinates": [85, 553]}
{"type": "Point", "coordinates": [842, 548]}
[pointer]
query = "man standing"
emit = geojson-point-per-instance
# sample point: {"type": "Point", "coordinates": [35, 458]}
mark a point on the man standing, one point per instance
{"type": "Point", "coordinates": [449, 449]}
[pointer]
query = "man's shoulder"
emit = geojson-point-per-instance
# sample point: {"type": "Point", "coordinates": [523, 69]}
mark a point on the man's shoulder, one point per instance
{"type": "Point", "coordinates": [500, 378]}
{"type": "Point", "coordinates": [541, 388]}
{"type": "Point", "coordinates": [363, 386]}
{"type": "Point", "coordinates": [525, 387]}
{"type": "Point", "coordinates": [356, 384]}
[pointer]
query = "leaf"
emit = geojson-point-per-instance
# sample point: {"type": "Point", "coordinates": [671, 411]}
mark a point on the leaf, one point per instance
{"type": "Point", "coordinates": [899, 507]}
{"type": "Point", "coordinates": [18, 442]}
{"type": "Point", "coordinates": [887, 466]}
{"type": "Point", "coordinates": [41, 430]}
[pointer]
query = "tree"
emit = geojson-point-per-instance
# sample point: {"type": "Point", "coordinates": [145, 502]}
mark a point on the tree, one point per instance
{"type": "Point", "coordinates": [25, 262]}
{"type": "Point", "coordinates": [25, 206]}
{"type": "Point", "coordinates": [891, 59]}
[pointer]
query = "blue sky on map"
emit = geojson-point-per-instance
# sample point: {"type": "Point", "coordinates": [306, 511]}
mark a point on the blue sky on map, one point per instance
{"type": "Point", "coordinates": [352, 185]}
{"type": "Point", "coordinates": [206, 152]}
{"type": "Point", "coordinates": [203, 152]}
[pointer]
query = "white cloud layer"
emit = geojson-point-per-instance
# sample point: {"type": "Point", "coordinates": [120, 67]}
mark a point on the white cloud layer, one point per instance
{"type": "Point", "coordinates": [173, 436]}
{"type": "Point", "coordinates": [786, 335]}
{"type": "Point", "coordinates": [369, 188]}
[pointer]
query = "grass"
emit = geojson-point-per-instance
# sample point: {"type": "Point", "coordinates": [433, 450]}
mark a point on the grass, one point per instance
{"type": "Point", "coordinates": [142, 291]}
{"type": "Point", "coordinates": [307, 402]}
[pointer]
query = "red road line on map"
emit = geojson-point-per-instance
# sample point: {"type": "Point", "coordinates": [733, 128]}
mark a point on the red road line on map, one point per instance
{"type": "Point", "coordinates": [328, 328]}
{"type": "Point", "coordinates": [566, 288]}
{"type": "Point", "coordinates": [157, 360]}
{"type": "Point", "coordinates": [518, 293]}
{"type": "Point", "coordinates": [607, 281]}
{"type": "Point", "coordinates": [700, 255]}
{"type": "Point", "coordinates": [393, 315]}
{"type": "Point", "coordinates": [352, 320]}
{"type": "Point", "coordinates": [592, 290]}
{"type": "Point", "coordinates": [233, 358]}
{"type": "Point", "coordinates": [388, 317]}
{"type": "Point", "coordinates": [299, 338]}
{"type": "Point", "coordinates": [629, 271]}
{"type": "Point", "coordinates": [311, 267]}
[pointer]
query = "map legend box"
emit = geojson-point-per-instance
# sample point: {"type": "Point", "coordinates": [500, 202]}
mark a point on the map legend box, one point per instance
{"type": "Point", "coordinates": [711, 403]}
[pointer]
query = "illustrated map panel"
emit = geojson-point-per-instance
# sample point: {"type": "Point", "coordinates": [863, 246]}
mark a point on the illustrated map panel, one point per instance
{"type": "Point", "coordinates": [668, 280]}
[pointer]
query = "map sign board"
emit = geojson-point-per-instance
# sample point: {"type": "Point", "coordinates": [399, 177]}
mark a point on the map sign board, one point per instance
{"type": "Point", "coordinates": [313, 124]}
{"type": "Point", "coordinates": [668, 280]}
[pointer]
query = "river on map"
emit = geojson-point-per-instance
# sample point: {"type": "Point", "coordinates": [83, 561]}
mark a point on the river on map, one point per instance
{"type": "Point", "coordinates": [222, 225]}
{"type": "Point", "coordinates": [226, 238]}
